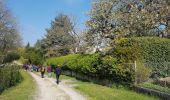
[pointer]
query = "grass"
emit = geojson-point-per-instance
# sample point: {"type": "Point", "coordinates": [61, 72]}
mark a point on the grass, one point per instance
{"type": "Point", "coordinates": [23, 91]}
{"type": "Point", "coordinates": [155, 87]}
{"type": "Point", "coordinates": [62, 77]}
{"type": "Point", "coordinates": [98, 92]}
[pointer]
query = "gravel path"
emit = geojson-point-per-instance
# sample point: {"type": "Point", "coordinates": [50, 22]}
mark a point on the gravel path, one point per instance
{"type": "Point", "coordinates": [49, 90]}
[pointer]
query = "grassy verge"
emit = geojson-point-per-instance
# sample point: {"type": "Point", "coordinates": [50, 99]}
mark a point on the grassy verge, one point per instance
{"type": "Point", "coordinates": [98, 92]}
{"type": "Point", "coordinates": [156, 87]}
{"type": "Point", "coordinates": [23, 91]}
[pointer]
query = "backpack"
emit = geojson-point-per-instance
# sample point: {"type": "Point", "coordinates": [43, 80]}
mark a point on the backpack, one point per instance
{"type": "Point", "coordinates": [58, 71]}
{"type": "Point", "coordinates": [43, 69]}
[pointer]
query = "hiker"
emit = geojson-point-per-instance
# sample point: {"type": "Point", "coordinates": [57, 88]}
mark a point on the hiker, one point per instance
{"type": "Point", "coordinates": [26, 67]}
{"type": "Point", "coordinates": [29, 67]}
{"type": "Point", "coordinates": [58, 72]}
{"type": "Point", "coordinates": [36, 68]}
{"type": "Point", "coordinates": [49, 70]}
{"type": "Point", "coordinates": [42, 71]}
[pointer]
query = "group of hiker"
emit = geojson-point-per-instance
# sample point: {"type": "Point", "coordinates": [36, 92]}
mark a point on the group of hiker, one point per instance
{"type": "Point", "coordinates": [43, 69]}
{"type": "Point", "coordinates": [31, 67]}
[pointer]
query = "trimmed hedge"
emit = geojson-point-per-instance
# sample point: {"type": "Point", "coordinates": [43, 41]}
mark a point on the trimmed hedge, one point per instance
{"type": "Point", "coordinates": [9, 76]}
{"type": "Point", "coordinates": [95, 65]}
{"type": "Point", "coordinates": [154, 52]}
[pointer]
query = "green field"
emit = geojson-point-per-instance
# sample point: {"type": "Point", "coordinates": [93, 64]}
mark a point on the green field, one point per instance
{"type": "Point", "coordinates": [23, 91]}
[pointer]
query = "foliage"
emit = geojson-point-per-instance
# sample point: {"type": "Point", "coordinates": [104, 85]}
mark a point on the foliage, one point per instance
{"type": "Point", "coordinates": [110, 19]}
{"type": "Point", "coordinates": [11, 56]}
{"type": "Point", "coordinates": [96, 65]}
{"type": "Point", "coordinates": [33, 56]}
{"type": "Point", "coordinates": [63, 60]}
{"type": "Point", "coordinates": [142, 17]}
{"type": "Point", "coordinates": [100, 23]}
{"type": "Point", "coordinates": [153, 52]}
{"type": "Point", "coordinates": [142, 73]}
{"type": "Point", "coordinates": [60, 39]}
{"type": "Point", "coordinates": [9, 76]}
{"type": "Point", "coordinates": [23, 91]}
{"type": "Point", "coordinates": [9, 35]}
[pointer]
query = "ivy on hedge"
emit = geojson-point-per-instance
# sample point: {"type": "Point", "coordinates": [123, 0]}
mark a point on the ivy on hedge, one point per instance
{"type": "Point", "coordinates": [95, 65]}
{"type": "Point", "coordinates": [154, 52]}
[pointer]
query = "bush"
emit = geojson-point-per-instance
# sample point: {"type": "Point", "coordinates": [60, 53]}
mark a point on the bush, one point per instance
{"type": "Point", "coordinates": [95, 65]}
{"type": "Point", "coordinates": [154, 52]}
{"type": "Point", "coordinates": [33, 56]}
{"type": "Point", "coordinates": [9, 76]}
{"type": "Point", "coordinates": [11, 56]}
{"type": "Point", "coordinates": [142, 73]}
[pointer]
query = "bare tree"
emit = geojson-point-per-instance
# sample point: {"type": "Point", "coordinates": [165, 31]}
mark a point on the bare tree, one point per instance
{"type": "Point", "coordinates": [9, 35]}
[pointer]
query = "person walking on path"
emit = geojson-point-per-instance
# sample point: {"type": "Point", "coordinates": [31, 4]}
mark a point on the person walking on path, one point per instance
{"type": "Point", "coordinates": [42, 71]}
{"type": "Point", "coordinates": [26, 67]}
{"type": "Point", "coordinates": [58, 73]}
{"type": "Point", "coordinates": [49, 70]}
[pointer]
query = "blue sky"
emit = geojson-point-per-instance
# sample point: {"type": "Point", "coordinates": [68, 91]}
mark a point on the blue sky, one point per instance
{"type": "Point", "coordinates": [34, 16]}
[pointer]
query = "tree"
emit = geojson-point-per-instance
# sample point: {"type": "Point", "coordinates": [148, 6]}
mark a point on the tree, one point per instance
{"type": "Point", "coordinates": [101, 22]}
{"type": "Point", "coordinates": [142, 18]}
{"type": "Point", "coordinates": [127, 18]}
{"type": "Point", "coordinates": [9, 36]}
{"type": "Point", "coordinates": [38, 44]}
{"type": "Point", "coordinates": [60, 38]}
{"type": "Point", "coordinates": [28, 45]}
{"type": "Point", "coordinates": [33, 56]}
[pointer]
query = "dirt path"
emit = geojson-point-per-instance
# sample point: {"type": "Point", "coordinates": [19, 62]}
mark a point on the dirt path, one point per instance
{"type": "Point", "coordinates": [49, 90]}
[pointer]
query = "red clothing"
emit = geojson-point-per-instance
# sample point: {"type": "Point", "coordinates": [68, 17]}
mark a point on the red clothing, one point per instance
{"type": "Point", "coordinates": [49, 69]}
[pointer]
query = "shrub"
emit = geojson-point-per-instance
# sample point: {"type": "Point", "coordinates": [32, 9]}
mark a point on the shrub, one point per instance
{"type": "Point", "coordinates": [11, 56]}
{"type": "Point", "coordinates": [9, 76]}
{"type": "Point", "coordinates": [154, 52]}
{"type": "Point", "coordinates": [65, 61]}
{"type": "Point", "coordinates": [95, 65]}
{"type": "Point", "coordinates": [33, 56]}
{"type": "Point", "coordinates": [142, 73]}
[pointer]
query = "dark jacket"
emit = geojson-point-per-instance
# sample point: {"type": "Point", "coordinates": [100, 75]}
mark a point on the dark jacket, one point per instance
{"type": "Point", "coordinates": [58, 70]}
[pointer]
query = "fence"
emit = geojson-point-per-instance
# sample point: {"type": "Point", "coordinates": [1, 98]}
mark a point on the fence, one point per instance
{"type": "Point", "coordinates": [163, 96]}
{"type": "Point", "coordinates": [84, 77]}
{"type": "Point", "coordinates": [148, 70]}
{"type": "Point", "coordinates": [151, 73]}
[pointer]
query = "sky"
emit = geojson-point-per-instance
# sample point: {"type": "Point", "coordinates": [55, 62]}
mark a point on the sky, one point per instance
{"type": "Point", "coordinates": [34, 16]}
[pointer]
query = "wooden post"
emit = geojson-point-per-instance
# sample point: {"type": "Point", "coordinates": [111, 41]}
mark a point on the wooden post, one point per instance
{"type": "Point", "coordinates": [135, 72]}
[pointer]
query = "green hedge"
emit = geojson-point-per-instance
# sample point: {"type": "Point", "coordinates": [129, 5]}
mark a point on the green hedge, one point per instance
{"type": "Point", "coordinates": [95, 65]}
{"type": "Point", "coordinates": [9, 76]}
{"type": "Point", "coordinates": [154, 52]}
